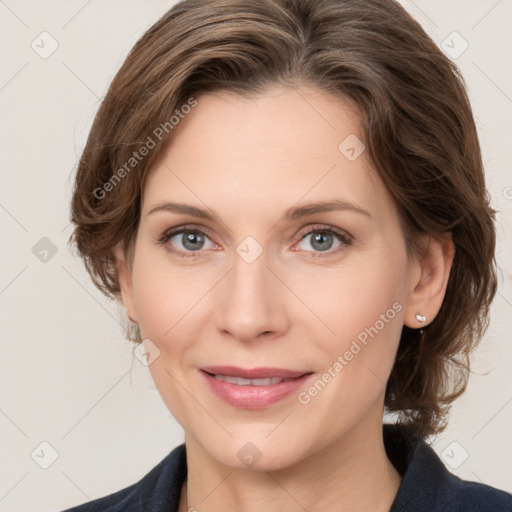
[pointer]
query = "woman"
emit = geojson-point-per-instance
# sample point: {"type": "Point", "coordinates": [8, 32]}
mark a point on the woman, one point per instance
{"type": "Point", "coordinates": [294, 216]}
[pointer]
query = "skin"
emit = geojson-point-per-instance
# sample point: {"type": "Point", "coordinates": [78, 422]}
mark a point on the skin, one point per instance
{"type": "Point", "coordinates": [249, 159]}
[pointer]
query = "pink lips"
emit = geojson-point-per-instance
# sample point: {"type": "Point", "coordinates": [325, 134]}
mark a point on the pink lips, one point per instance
{"type": "Point", "coordinates": [249, 396]}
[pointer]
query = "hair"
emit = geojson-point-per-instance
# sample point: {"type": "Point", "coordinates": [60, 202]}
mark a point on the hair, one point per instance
{"type": "Point", "coordinates": [418, 129]}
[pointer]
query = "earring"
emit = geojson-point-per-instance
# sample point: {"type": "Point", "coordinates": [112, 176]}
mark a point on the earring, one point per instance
{"type": "Point", "coordinates": [421, 318]}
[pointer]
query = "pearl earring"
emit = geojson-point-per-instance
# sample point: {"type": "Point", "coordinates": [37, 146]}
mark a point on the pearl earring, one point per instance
{"type": "Point", "coordinates": [420, 317]}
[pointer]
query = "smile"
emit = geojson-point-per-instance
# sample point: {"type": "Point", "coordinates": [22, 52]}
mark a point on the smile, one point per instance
{"type": "Point", "coordinates": [254, 393]}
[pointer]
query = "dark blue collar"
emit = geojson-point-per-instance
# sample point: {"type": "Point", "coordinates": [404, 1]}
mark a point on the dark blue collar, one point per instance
{"type": "Point", "coordinates": [428, 486]}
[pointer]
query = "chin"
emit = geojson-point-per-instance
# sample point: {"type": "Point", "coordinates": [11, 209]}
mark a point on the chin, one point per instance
{"type": "Point", "coordinates": [255, 450]}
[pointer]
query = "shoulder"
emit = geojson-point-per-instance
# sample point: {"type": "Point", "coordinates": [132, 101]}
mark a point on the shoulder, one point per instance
{"type": "Point", "coordinates": [473, 496]}
{"type": "Point", "coordinates": [159, 490]}
{"type": "Point", "coordinates": [428, 486]}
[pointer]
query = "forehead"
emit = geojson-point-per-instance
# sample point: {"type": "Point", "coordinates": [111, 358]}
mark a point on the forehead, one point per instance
{"type": "Point", "coordinates": [275, 148]}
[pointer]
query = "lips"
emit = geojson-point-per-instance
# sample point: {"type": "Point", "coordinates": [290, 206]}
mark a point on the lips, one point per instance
{"type": "Point", "coordinates": [255, 388]}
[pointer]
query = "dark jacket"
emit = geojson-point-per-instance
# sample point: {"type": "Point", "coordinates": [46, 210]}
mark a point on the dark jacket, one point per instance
{"type": "Point", "coordinates": [426, 486]}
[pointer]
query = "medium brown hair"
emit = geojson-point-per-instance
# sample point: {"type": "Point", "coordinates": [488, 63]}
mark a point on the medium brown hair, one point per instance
{"type": "Point", "coordinates": [418, 129]}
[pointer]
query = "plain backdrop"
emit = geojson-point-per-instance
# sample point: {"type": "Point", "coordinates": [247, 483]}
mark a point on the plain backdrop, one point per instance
{"type": "Point", "coordinates": [73, 398]}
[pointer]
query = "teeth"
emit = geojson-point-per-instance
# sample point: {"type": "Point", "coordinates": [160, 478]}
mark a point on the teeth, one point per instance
{"type": "Point", "coordinates": [250, 382]}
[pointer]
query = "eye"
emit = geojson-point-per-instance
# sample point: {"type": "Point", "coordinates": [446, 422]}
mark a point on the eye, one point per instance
{"type": "Point", "coordinates": [323, 238]}
{"type": "Point", "coordinates": [185, 240]}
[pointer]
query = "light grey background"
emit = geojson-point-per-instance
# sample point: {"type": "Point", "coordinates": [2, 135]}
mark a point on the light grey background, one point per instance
{"type": "Point", "coordinates": [68, 377]}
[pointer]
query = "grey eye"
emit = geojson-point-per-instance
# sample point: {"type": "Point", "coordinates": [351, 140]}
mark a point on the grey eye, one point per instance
{"type": "Point", "coordinates": [190, 240]}
{"type": "Point", "coordinates": [321, 240]}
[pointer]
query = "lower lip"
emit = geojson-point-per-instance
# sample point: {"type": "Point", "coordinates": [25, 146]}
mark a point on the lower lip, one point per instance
{"type": "Point", "coordinates": [254, 397]}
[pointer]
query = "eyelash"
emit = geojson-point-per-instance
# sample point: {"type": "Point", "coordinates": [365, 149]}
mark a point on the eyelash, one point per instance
{"type": "Point", "coordinates": [343, 237]}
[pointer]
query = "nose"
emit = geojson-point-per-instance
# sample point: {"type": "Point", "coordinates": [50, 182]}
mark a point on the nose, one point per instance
{"type": "Point", "coordinates": [251, 303]}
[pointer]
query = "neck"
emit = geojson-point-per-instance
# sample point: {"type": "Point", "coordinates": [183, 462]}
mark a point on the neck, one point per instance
{"type": "Point", "coordinates": [354, 473]}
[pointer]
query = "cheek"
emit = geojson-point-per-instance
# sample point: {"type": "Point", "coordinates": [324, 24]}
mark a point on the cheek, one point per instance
{"type": "Point", "coordinates": [361, 309]}
{"type": "Point", "coordinates": [355, 296]}
{"type": "Point", "coordinates": [354, 363]}
{"type": "Point", "coordinates": [365, 310]}
{"type": "Point", "coordinates": [166, 297]}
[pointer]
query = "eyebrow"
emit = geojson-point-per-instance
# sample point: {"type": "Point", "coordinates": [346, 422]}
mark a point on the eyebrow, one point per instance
{"type": "Point", "coordinates": [293, 213]}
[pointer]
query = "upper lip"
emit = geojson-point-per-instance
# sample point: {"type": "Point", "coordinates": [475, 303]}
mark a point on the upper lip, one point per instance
{"type": "Point", "coordinates": [253, 373]}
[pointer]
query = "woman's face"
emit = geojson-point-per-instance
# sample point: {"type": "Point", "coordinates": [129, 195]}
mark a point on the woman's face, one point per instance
{"type": "Point", "coordinates": [259, 283]}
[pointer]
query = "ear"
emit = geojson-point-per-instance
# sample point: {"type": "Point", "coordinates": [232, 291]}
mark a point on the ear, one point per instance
{"type": "Point", "coordinates": [429, 280]}
{"type": "Point", "coordinates": [124, 277]}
